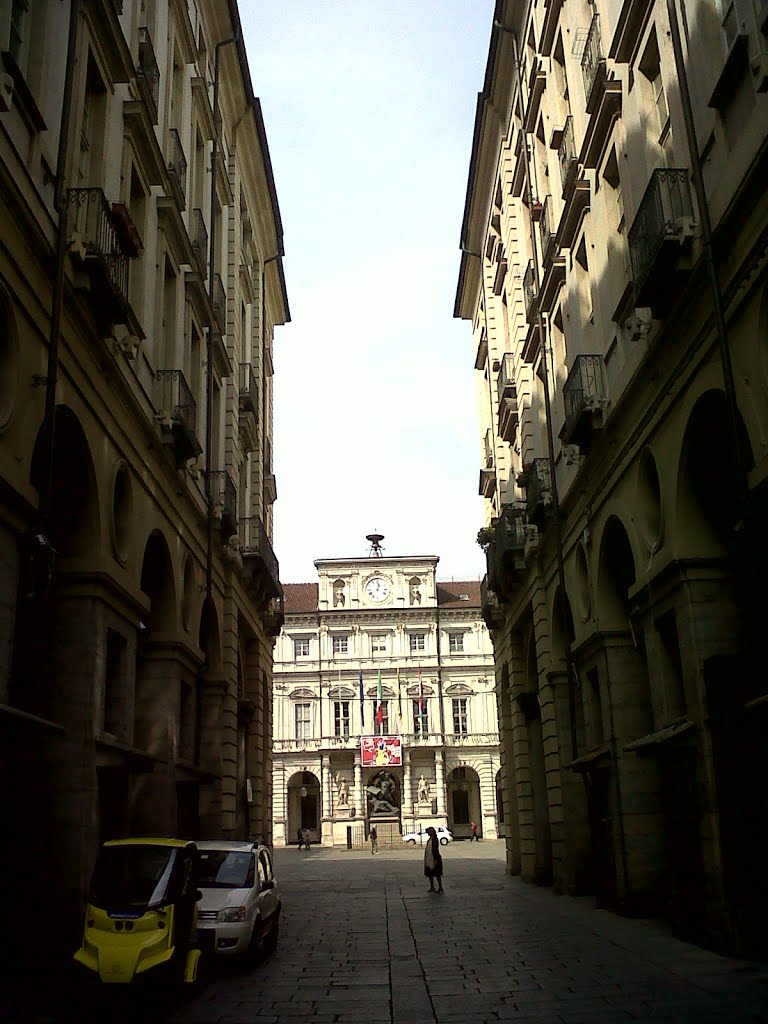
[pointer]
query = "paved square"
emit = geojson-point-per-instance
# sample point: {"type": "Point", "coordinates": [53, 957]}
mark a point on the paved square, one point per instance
{"type": "Point", "coordinates": [362, 941]}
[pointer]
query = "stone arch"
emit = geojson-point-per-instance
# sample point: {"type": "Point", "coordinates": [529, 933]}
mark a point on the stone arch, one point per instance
{"type": "Point", "coordinates": [708, 485]}
{"type": "Point", "coordinates": [464, 800]}
{"type": "Point", "coordinates": [563, 637]}
{"type": "Point", "coordinates": [209, 638]}
{"type": "Point", "coordinates": [159, 584]}
{"type": "Point", "coordinates": [303, 806]}
{"type": "Point", "coordinates": [74, 517]}
{"type": "Point", "coordinates": [615, 575]}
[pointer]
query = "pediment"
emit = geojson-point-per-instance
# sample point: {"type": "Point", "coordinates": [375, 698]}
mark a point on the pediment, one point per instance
{"type": "Point", "coordinates": [301, 693]}
{"type": "Point", "coordinates": [458, 690]}
{"type": "Point", "coordinates": [413, 690]}
{"type": "Point", "coordinates": [341, 693]}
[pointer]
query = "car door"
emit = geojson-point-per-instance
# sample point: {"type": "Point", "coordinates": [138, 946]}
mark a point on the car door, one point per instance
{"type": "Point", "coordinates": [268, 897]}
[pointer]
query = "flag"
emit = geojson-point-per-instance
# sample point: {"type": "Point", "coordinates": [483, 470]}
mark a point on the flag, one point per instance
{"type": "Point", "coordinates": [399, 702]}
{"type": "Point", "coordinates": [421, 695]}
{"type": "Point", "coordinates": [362, 704]}
{"type": "Point", "coordinates": [379, 708]}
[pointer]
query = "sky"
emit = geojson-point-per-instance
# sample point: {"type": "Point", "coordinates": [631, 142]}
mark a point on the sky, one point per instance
{"type": "Point", "coordinates": [369, 109]}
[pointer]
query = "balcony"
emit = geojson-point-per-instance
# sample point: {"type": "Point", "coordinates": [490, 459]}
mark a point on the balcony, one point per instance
{"type": "Point", "coordinates": [585, 400]}
{"type": "Point", "coordinates": [224, 500]}
{"type": "Point", "coordinates": [219, 300]}
{"type": "Point", "coordinates": [490, 609]}
{"type": "Point", "coordinates": [663, 225]}
{"type": "Point", "coordinates": [507, 391]}
{"type": "Point", "coordinates": [148, 73]}
{"type": "Point", "coordinates": [177, 416]}
{"type": "Point", "coordinates": [248, 407]}
{"type": "Point", "coordinates": [177, 168]}
{"type": "Point", "coordinates": [270, 482]}
{"type": "Point", "coordinates": [102, 239]}
{"type": "Point", "coordinates": [259, 562]}
{"type": "Point", "coordinates": [481, 356]}
{"type": "Point", "coordinates": [549, 25]}
{"type": "Point", "coordinates": [505, 557]}
{"type": "Point", "coordinates": [554, 279]}
{"type": "Point", "coordinates": [567, 156]}
{"type": "Point", "coordinates": [487, 485]}
{"type": "Point", "coordinates": [547, 231]}
{"type": "Point", "coordinates": [538, 491]}
{"type": "Point", "coordinates": [530, 294]}
{"type": "Point", "coordinates": [199, 234]}
{"type": "Point", "coordinates": [603, 96]}
{"type": "Point", "coordinates": [536, 85]}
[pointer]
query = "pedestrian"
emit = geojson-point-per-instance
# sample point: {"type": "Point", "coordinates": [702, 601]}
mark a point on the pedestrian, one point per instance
{"type": "Point", "coordinates": [433, 862]}
{"type": "Point", "coordinates": [374, 840]}
{"type": "Point", "coordinates": [305, 837]}
{"type": "Point", "coordinates": [300, 837]}
{"type": "Point", "coordinates": [475, 836]}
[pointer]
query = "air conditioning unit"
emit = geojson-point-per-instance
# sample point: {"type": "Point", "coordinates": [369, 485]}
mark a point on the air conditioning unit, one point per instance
{"type": "Point", "coordinates": [6, 93]}
{"type": "Point", "coordinates": [759, 68]}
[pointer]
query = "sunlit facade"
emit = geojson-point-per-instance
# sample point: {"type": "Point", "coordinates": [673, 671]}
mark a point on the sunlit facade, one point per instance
{"type": "Point", "coordinates": [623, 399]}
{"type": "Point", "coordinates": [419, 650]}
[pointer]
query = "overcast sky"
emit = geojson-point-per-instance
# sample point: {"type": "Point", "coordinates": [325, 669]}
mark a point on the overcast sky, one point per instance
{"type": "Point", "coordinates": [369, 108]}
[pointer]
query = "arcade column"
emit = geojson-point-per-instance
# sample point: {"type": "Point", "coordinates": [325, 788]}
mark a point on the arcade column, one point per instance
{"type": "Point", "coordinates": [407, 808]}
{"type": "Point", "coordinates": [440, 784]}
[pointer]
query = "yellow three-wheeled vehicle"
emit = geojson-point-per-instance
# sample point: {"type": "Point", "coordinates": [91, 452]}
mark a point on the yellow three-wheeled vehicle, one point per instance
{"type": "Point", "coordinates": [141, 917]}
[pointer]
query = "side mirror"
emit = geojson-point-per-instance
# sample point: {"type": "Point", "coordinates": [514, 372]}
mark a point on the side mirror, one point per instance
{"type": "Point", "coordinates": [268, 884]}
{"type": "Point", "coordinates": [198, 896]}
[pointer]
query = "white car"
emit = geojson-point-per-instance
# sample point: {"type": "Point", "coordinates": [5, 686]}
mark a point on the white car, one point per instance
{"type": "Point", "coordinates": [240, 905]}
{"type": "Point", "coordinates": [421, 836]}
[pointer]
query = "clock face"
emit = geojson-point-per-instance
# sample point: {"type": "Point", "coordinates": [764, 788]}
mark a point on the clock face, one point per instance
{"type": "Point", "coordinates": [377, 588]}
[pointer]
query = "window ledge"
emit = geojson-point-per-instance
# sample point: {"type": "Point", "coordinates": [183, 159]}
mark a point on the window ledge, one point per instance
{"type": "Point", "coordinates": [735, 67]}
{"type": "Point", "coordinates": [22, 94]}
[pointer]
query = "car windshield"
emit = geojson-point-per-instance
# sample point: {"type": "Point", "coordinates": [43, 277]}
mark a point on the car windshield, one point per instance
{"type": "Point", "coordinates": [132, 878]}
{"type": "Point", "coordinates": [225, 869]}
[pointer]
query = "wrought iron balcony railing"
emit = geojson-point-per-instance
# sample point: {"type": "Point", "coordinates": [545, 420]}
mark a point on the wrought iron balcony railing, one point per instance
{"type": "Point", "coordinates": [177, 414]}
{"type": "Point", "coordinates": [248, 390]}
{"type": "Point", "coordinates": [507, 391]}
{"type": "Point", "coordinates": [583, 392]}
{"type": "Point", "coordinates": [566, 154]}
{"type": "Point", "coordinates": [538, 489]}
{"type": "Point", "coordinates": [148, 72]}
{"type": "Point", "coordinates": [200, 239]}
{"type": "Point", "coordinates": [529, 292]}
{"type": "Point", "coordinates": [665, 214]}
{"type": "Point", "coordinates": [255, 546]}
{"type": "Point", "coordinates": [488, 449]}
{"type": "Point", "coordinates": [219, 300]}
{"type": "Point", "coordinates": [94, 231]}
{"type": "Point", "coordinates": [489, 605]}
{"type": "Point", "coordinates": [177, 168]}
{"type": "Point", "coordinates": [505, 379]}
{"type": "Point", "coordinates": [547, 228]}
{"type": "Point", "coordinates": [224, 499]}
{"type": "Point", "coordinates": [592, 60]}
{"type": "Point", "coordinates": [505, 557]}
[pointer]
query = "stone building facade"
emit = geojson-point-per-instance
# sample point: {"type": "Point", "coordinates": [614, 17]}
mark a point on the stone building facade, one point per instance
{"type": "Point", "coordinates": [614, 270]}
{"type": "Point", "coordinates": [383, 631]}
{"type": "Point", "coordinates": [140, 285]}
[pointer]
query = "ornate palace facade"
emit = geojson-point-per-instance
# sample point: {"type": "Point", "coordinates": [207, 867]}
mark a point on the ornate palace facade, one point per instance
{"type": "Point", "coordinates": [373, 633]}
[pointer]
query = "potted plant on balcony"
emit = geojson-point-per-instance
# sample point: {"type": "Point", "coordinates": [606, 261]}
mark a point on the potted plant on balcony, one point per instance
{"type": "Point", "coordinates": [485, 536]}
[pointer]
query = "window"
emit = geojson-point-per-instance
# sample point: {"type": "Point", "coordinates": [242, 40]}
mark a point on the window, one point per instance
{"type": "Point", "coordinates": [583, 282]}
{"type": "Point", "coordinates": [650, 68]}
{"type": "Point", "coordinates": [302, 714]}
{"type": "Point", "coordinates": [341, 718]}
{"type": "Point", "coordinates": [614, 195]}
{"type": "Point", "coordinates": [340, 644]}
{"type": "Point", "coordinates": [420, 719]}
{"type": "Point", "coordinates": [455, 642]}
{"type": "Point", "coordinates": [301, 647]}
{"type": "Point", "coordinates": [378, 645]}
{"type": "Point", "coordinates": [384, 718]}
{"type": "Point", "coordinates": [459, 716]}
{"type": "Point", "coordinates": [417, 642]}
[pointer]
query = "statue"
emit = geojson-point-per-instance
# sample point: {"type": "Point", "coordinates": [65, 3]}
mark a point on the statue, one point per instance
{"type": "Point", "coordinates": [382, 795]}
{"type": "Point", "coordinates": [338, 594]}
{"type": "Point", "coordinates": [423, 790]}
{"type": "Point", "coordinates": [342, 795]}
{"type": "Point", "coordinates": [415, 593]}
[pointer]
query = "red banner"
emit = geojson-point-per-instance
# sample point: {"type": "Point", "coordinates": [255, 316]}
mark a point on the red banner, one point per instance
{"type": "Point", "coordinates": [381, 750]}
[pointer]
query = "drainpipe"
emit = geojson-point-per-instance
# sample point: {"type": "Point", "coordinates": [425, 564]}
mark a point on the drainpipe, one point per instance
{"type": "Point", "coordinates": [714, 283]}
{"type": "Point", "coordinates": [546, 348]}
{"type": "Point", "coordinates": [209, 340]}
{"type": "Point", "coordinates": [61, 205]}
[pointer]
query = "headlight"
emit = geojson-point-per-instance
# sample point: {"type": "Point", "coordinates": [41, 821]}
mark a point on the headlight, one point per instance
{"type": "Point", "coordinates": [231, 914]}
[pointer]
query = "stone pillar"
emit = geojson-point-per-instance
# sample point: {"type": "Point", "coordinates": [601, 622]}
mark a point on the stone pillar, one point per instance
{"type": "Point", "coordinates": [407, 784]}
{"type": "Point", "coordinates": [358, 793]}
{"type": "Point", "coordinates": [326, 821]}
{"type": "Point", "coordinates": [440, 783]}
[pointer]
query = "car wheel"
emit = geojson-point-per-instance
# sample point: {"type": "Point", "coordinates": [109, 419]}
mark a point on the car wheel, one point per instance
{"type": "Point", "coordinates": [411, 841]}
{"type": "Point", "coordinates": [443, 841]}
{"type": "Point", "coordinates": [272, 936]}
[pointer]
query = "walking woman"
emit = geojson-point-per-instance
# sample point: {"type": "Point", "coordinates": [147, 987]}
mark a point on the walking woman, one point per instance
{"type": "Point", "coordinates": [433, 862]}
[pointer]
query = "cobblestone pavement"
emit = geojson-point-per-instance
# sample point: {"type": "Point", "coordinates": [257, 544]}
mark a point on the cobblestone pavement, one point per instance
{"type": "Point", "coordinates": [362, 942]}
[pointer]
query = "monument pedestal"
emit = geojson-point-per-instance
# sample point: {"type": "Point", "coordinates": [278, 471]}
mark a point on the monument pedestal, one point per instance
{"type": "Point", "coordinates": [387, 830]}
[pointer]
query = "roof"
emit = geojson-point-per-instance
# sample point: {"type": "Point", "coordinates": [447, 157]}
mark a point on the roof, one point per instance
{"type": "Point", "coordinates": [235, 845]}
{"type": "Point", "coordinates": [301, 598]}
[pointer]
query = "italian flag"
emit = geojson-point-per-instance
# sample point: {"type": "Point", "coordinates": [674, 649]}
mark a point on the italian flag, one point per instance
{"type": "Point", "coordinates": [379, 708]}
